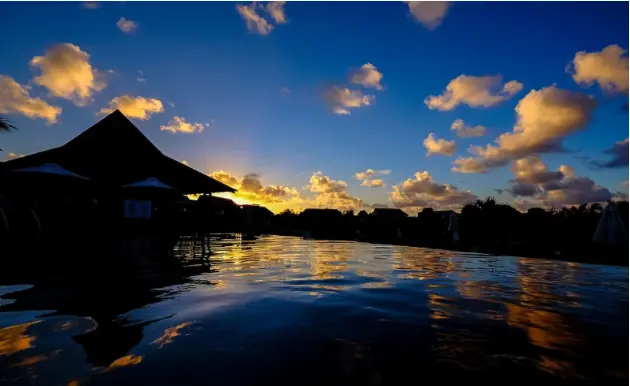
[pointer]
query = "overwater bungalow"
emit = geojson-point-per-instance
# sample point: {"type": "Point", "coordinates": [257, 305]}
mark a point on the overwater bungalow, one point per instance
{"type": "Point", "coordinates": [119, 175]}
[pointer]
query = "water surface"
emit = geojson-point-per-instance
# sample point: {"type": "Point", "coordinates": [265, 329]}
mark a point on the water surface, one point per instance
{"type": "Point", "coordinates": [288, 311]}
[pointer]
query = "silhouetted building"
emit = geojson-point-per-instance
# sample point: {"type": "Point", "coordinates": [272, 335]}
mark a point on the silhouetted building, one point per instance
{"type": "Point", "coordinates": [111, 154]}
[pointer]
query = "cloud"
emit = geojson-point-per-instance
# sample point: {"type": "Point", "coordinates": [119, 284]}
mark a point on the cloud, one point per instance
{"type": "Point", "coordinates": [430, 14]}
{"type": "Point", "coordinates": [369, 173]}
{"type": "Point", "coordinates": [375, 183]}
{"type": "Point", "coordinates": [15, 98]}
{"type": "Point", "coordinates": [608, 68]}
{"type": "Point", "coordinates": [134, 107]}
{"type": "Point", "coordinates": [553, 188]}
{"type": "Point", "coordinates": [474, 91]}
{"type": "Point", "coordinates": [126, 25]}
{"type": "Point", "coordinates": [67, 73]}
{"type": "Point", "coordinates": [465, 131]}
{"type": "Point", "coordinates": [422, 192]}
{"type": "Point", "coordinates": [439, 146]}
{"type": "Point", "coordinates": [256, 22]}
{"type": "Point", "coordinates": [285, 90]}
{"type": "Point", "coordinates": [14, 156]}
{"type": "Point", "coordinates": [275, 9]}
{"type": "Point", "coordinates": [179, 125]}
{"type": "Point", "coordinates": [367, 76]}
{"type": "Point", "coordinates": [251, 188]}
{"type": "Point", "coordinates": [141, 77]}
{"type": "Point", "coordinates": [319, 183]}
{"type": "Point", "coordinates": [332, 193]}
{"type": "Point", "coordinates": [544, 118]}
{"type": "Point", "coordinates": [619, 153]}
{"type": "Point", "coordinates": [343, 99]}
{"type": "Point", "coordinates": [90, 5]}
{"type": "Point", "coordinates": [499, 191]}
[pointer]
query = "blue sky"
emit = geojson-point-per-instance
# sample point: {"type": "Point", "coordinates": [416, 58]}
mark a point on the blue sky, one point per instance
{"type": "Point", "coordinates": [202, 58]}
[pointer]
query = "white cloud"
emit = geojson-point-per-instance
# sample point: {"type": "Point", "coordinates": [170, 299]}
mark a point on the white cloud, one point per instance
{"type": "Point", "coordinates": [422, 192]}
{"type": "Point", "coordinates": [256, 22]}
{"type": "Point", "coordinates": [544, 118]}
{"type": "Point", "coordinates": [375, 183]}
{"type": "Point", "coordinates": [134, 107]}
{"type": "Point", "coordinates": [275, 9]}
{"type": "Point", "coordinates": [608, 68]}
{"type": "Point", "coordinates": [430, 14]}
{"type": "Point", "coordinates": [67, 73]}
{"type": "Point", "coordinates": [343, 99]}
{"type": "Point", "coordinates": [179, 125]}
{"type": "Point", "coordinates": [141, 77]}
{"type": "Point", "coordinates": [15, 98]}
{"type": "Point", "coordinates": [466, 131]}
{"type": "Point", "coordinates": [439, 146]}
{"type": "Point", "coordinates": [126, 25]}
{"type": "Point", "coordinates": [367, 76]}
{"type": "Point", "coordinates": [474, 91]}
{"type": "Point", "coordinates": [371, 172]}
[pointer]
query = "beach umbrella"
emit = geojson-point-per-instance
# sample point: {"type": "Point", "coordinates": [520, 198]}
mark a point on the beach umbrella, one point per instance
{"type": "Point", "coordinates": [610, 229]}
{"type": "Point", "coordinates": [149, 183]}
{"type": "Point", "coordinates": [453, 226]}
{"type": "Point", "coordinates": [51, 169]}
{"type": "Point", "coordinates": [45, 179]}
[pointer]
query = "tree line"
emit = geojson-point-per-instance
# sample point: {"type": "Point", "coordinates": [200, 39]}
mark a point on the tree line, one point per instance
{"type": "Point", "coordinates": [486, 226]}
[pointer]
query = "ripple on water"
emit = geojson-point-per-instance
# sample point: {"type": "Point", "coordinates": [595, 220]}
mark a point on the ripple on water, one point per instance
{"type": "Point", "coordinates": [283, 310]}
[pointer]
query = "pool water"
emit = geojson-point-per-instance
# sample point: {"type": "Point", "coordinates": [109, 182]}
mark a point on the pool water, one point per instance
{"type": "Point", "coordinates": [290, 311]}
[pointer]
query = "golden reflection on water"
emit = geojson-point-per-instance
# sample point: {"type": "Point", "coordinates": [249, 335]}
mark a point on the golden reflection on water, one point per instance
{"type": "Point", "coordinates": [14, 339]}
{"type": "Point", "coordinates": [127, 360]}
{"type": "Point", "coordinates": [170, 334]}
{"type": "Point", "coordinates": [459, 299]}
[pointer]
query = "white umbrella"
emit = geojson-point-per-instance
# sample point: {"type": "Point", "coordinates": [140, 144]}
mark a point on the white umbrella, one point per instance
{"type": "Point", "coordinates": [149, 183]}
{"type": "Point", "coordinates": [453, 226]}
{"type": "Point", "coordinates": [51, 169]}
{"type": "Point", "coordinates": [610, 229]}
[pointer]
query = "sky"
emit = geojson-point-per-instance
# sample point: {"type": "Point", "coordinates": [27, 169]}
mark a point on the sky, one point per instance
{"type": "Point", "coordinates": [350, 105]}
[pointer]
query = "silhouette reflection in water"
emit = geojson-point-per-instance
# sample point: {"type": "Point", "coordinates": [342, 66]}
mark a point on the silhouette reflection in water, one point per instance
{"type": "Point", "coordinates": [289, 311]}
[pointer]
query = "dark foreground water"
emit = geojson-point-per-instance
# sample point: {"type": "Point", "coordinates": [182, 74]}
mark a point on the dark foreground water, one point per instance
{"type": "Point", "coordinates": [288, 311]}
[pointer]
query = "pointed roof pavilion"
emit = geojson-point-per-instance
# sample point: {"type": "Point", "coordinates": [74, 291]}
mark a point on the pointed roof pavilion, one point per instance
{"type": "Point", "coordinates": [113, 153]}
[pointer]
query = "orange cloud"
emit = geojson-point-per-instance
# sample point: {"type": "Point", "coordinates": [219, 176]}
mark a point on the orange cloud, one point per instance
{"type": "Point", "coordinates": [67, 73]}
{"type": "Point", "coordinates": [15, 98]}
{"type": "Point", "coordinates": [179, 125]}
{"type": "Point", "coordinates": [439, 146]}
{"type": "Point", "coordinates": [474, 91]}
{"type": "Point", "coordinates": [544, 118]}
{"type": "Point", "coordinates": [608, 68]}
{"type": "Point", "coordinates": [134, 107]}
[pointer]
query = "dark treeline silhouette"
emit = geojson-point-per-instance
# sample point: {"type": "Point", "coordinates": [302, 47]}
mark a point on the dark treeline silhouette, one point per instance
{"type": "Point", "coordinates": [484, 226]}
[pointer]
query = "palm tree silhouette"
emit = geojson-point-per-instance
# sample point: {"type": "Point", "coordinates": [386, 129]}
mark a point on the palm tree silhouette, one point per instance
{"type": "Point", "coordinates": [6, 125]}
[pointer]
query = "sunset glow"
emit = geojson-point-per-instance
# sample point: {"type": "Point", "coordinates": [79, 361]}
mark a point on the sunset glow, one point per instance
{"type": "Point", "coordinates": [455, 101]}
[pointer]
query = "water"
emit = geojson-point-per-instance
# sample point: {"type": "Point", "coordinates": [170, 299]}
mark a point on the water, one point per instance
{"type": "Point", "coordinates": [288, 311]}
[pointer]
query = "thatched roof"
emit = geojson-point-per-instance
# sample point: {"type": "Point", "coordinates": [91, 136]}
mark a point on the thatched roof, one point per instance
{"type": "Point", "coordinates": [114, 152]}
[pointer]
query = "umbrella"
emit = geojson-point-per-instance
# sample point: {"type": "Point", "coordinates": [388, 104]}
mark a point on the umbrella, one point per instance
{"type": "Point", "coordinates": [149, 183]}
{"type": "Point", "coordinates": [610, 229]}
{"type": "Point", "coordinates": [51, 169]}
{"type": "Point", "coordinates": [453, 226]}
{"type": "Point", "coordinates": [45, 179]}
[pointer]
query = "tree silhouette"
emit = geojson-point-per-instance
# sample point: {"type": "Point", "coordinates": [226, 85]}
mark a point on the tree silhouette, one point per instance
{"type": "Point", "coordinates": [6, 125]}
